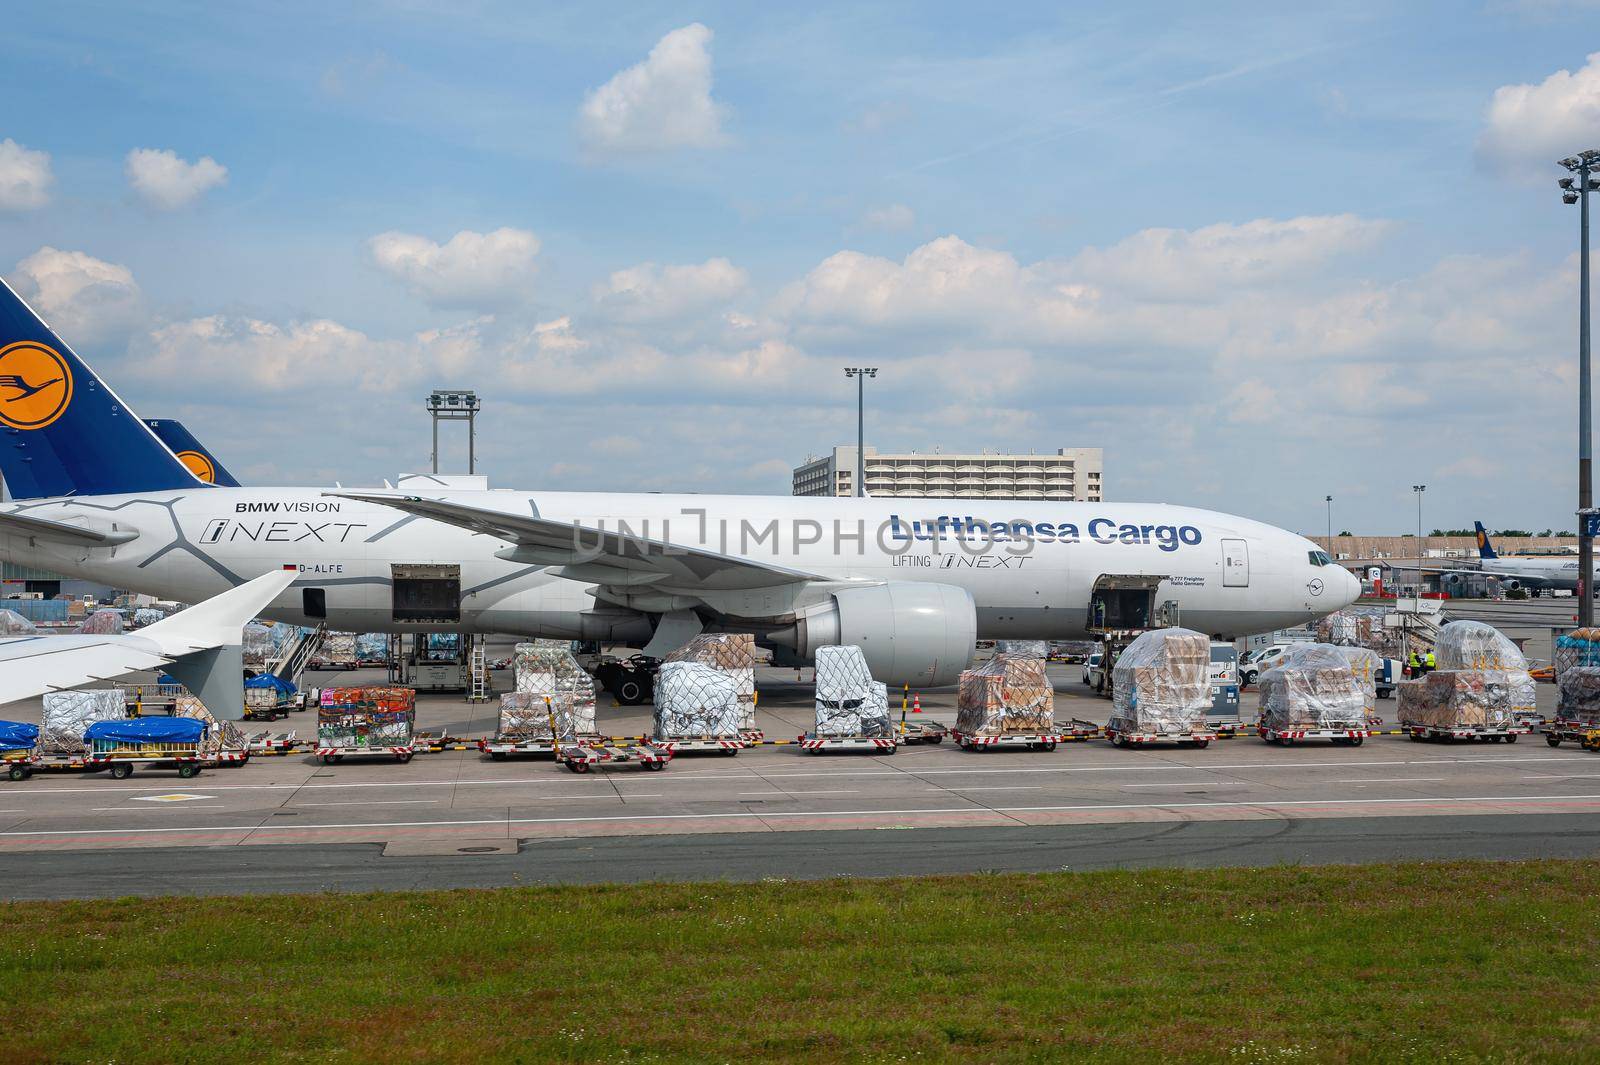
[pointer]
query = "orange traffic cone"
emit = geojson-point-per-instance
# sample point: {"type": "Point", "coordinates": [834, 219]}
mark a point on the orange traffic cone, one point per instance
{"type": "Point", "coordinates": [916, 704]}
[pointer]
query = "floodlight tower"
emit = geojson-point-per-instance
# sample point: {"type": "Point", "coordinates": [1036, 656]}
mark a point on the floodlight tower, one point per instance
{"type": "Point", "coordinates": [455, 405]}
{"type": "Point", "coordinates": [861, 373]}
{"type": "Point", "coordinates": [1576, 190]}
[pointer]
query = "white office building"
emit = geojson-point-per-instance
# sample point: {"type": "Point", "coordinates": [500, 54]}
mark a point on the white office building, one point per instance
{"type": "Point", "coordinates": [1069, 474]}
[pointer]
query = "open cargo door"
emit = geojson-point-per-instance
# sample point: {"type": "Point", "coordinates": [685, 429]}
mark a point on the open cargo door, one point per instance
{"type": "Point", "coordinates": [1124, 603]}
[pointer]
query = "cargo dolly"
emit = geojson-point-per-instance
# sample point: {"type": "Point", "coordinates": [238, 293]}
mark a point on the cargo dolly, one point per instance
{"type": "Point", "coordinates": [167, 742]}
{"type": "Point", "coordinates": [1126, 738]}
{"type": "Point", "coordinates": [1472, 733]}
{"type": "Point", "coordinates": [1570, 729]}
{"type": "Point", "coordinates": [19, 749]}
{"type": "Point", "coordinates": [1288, 737]}
{"type": "Point", "coordinates": [401, 752]}
{"type": "Point", "coordinates": [727, 745]}
{"type": "Point", "coordinates": [1074, 730]}
{"type": "Point", "coordinates": [922, 732]}
{"type": "Point", "coordinates": [266, 743]}
{"type": "Point", "coordinates": [811, 743]}
{"type": "Point", "coordinates": [581, 757]}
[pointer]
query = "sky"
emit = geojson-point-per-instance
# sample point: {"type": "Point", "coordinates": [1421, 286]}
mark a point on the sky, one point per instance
{"type": "Point", "coordinates": [1259, 255]}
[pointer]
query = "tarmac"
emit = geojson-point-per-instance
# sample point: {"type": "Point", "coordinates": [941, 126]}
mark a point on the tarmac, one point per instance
{"type": "Point", "coordinates": [289, 823]}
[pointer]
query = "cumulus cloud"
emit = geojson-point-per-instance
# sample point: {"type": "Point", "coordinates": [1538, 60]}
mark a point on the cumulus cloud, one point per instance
{"type": "Point", "coordinates": [469, 270]}
{"type": "Point", "coordinates": [86, 300]}
{"type": "Point", "coordinates": [164, 180]}
{"type": "Point", "coordinates": [660, 104]}
{"type": "Point", "coordinates": [25, 177]}
{"type": "Point", "coordinates": [1528, 127]}
{"type": "Point", "coordinates": [895, 218]}
{"type": "Point", "coordinates": [220, 349]}
{"type": "Point", "coordinates": [648, 292]}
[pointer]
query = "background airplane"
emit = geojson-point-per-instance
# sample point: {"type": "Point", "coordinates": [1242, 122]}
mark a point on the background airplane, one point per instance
{"type": "Point", "coordinates": [201, 462]}
{"type": "Point", "coordinates": [1534, 574]}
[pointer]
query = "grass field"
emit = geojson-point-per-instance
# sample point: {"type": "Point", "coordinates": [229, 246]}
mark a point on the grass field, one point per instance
{"type": "Point", "coordinates": [1426, 962]}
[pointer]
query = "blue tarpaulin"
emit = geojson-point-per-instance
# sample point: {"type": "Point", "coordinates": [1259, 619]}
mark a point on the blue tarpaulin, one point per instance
{"type": "Point", "coordinates": [267, 680]}
{"type": "Point", "coordinates": [17, 736]}
{"type": "Point", "coordinates": [148, 730]}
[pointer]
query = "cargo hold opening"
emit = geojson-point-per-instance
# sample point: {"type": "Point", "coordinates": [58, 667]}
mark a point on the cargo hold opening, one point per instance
{"type": "Point", "coordinates": [1122, 603]}
{"type": "Point", "coordinates": [427, 594]}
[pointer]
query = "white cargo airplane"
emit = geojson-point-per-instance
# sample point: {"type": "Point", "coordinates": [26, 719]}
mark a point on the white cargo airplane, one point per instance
{"type": "Point", "coordinates": [1534, 574]}
{"type": "Point", "coordinates": [914, 582]}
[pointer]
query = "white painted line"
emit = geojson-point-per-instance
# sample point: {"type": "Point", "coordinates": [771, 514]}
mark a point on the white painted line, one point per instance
{"type": "Point", "coordinates": [367, 802]}
{"type": "Point", "coordinates": [1193, 784]}
{"type": "Point", "coordinates": [744, 815]}
{"type": "Point", "coordinates": [786, 792]}
{"type": "Point", "coordinates": [1393, 780]}
{"type": "Point", "coordinates": [1011, 787]}
{"type": "Point", "coordinates": [1566, 776]}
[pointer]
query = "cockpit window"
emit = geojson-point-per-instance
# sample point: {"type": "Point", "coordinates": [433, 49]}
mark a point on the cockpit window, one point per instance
{"type": "Point", "coordinates": [1319, 558]}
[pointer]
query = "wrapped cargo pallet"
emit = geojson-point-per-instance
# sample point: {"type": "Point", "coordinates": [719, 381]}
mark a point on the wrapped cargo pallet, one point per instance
{"type": "Point", "coordinates": [1312, 688]}
{"type": "Point", "coordinates": [1365, 665]}
{"type": "Point", "coordinates": [220, 735]}
{"type": "Point", "coordinates": [546, 667]}
{"type": "Point", "coordinates": [146, 616]}
{"type": "Point", "coordinates": [372, 647]}
{"type": "Point", "coordinates": [1578, 689]}
{"type": "Point", "coordinates": [67, 715]}
{"type": "Point", "coordinates": [357, 718]}
{"type": "Point", "coordinates": [102, 623]}
{"type": "Point", "coordinates": [526, 716]}
{"type": "Point", "coordinates": [1161, 683]}
{"type": "Point", "coordinates": [1006, 695]}
{"type": "Point", "coordinates": [1458, 698]}
{"type": "Point", "coordinates": [695, 701]}
{"type": "Point", "coordinates": [732, 652]}
{"type": "Point", "coordinates": [14, 624]}
{"type": "Point", "coordinates": [338, 648]}
{"type": "Point", "coordinates": [257, 644]}
{"type": "Point", "coordinates": [1474, 646]}
{"type": "Point", "coordinates": [849, 702]}
{"type": "Point", "coordinates": [1023, 648]}
{"type": "Point", "coordinates": [1580, 647]}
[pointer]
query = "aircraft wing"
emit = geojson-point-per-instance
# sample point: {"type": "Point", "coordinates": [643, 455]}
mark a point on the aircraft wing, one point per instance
{"type": "Point", "coordinates": [62, 533]}
{"type": "Point", "coordinates": [192, 644]}
{"type": "Point", "coordinates": [604, 556]}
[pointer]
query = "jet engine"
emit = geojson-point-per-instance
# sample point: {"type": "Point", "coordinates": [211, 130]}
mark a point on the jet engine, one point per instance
{"type": "Point", "coordinates": [910, 633]}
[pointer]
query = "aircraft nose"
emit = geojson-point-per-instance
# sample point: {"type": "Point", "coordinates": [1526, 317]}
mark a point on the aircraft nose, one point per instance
{"type": "Point", "coordinates": [1349, 589]}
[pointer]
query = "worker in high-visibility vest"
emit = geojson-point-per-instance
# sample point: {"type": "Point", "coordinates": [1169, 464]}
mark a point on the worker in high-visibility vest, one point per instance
{"type": "Point", "coordinates": [1414, 666]}
{"type": "Point", "coordinates": [1430, 663]}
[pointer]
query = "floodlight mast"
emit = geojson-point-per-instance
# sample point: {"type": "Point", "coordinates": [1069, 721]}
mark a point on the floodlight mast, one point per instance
{"type": "Point", "coordinates": [861, 373]}
{"type": "Point", "coordinates": [1583, 165]}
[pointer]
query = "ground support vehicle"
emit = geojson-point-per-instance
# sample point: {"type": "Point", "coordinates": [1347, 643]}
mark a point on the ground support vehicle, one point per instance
{"type": "Point", "coordinates": [120, 757]}
{"type": "Point", "coordinates": [1339, 737]}
{"type": "Point", "coordinates": [814, 744]}
{"type": "Point", "coordinates": [729, 746]}
{"type": "Point", "coordinates": [1570, 730]}
{"type": "Point", "coordinates": [1472, 733]}
{"type": "Point", "coordinates": [19, 762]}
{"type": "Point", "coordinates": [1120, 738]}
{"type": "Point", "coordinates": [1072, 731]}
{"type": "Point", "coordinates": [581, 757]}
{"type": "Point", "coordinates": [922, 732]}
{"type": "Point", "coordinates": [267, 743]}
{"type": "Point", "coordinates": [334, 755]}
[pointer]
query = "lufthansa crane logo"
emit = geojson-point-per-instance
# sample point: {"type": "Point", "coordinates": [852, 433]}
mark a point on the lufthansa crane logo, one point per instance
{"type": "Point", "coordinates": [35, 385]}
{"type": "Point", "coordinates": [199, 465]}
{"type": "Point", "coordinates": [1314, 586]}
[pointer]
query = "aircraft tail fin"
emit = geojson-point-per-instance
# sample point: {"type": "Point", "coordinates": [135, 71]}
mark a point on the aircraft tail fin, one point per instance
{"type": "Point", "coordinates": [1485, 548]}
{"type": "Point", "coordinates": [63, 431]}
{"type": "Point", "coordinates": [201, 462]}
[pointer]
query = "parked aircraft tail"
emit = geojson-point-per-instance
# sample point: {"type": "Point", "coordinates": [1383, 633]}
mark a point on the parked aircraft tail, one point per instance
{"type": "Point", "coordinates": [1485, 548]}
{"type": "Point", "coordinates": [202, 463]}
{"type": "Point", "coordinates": [63, 431]}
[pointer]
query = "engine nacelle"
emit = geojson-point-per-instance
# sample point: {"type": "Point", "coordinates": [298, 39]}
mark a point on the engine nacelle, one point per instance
{"type": "Point", "coordinates": [910, 633]}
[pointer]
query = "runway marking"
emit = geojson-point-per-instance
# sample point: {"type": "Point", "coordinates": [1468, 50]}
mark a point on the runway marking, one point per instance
{"type": "Point", "coordinates": [124, 809]}
{"type": "Point", "coordinates": [910, 771]}
{"type": "Point", "coordinates": [1566, 776]}
{"type": "Point", "coordinates": [367, 802]}
{"type": "Point", "coordinates": [1394, 780]}
{"type": "Point", "coordinates": [746, 815]}
{"type": "Point", "coordinates": [783, 792]}
{"type": "Point", "coordinates": [1008, 787]}
{"type": "Point", "coordinates": [1193, 784]}
{"type": "Point", "coordinates": [179, 797]}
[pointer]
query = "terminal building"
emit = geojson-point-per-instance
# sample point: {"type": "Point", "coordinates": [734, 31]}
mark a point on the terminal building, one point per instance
{"type": "Point", "coordinates": [1070, 474]}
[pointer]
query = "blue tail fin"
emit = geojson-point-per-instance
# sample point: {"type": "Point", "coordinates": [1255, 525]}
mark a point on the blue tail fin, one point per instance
{"type": "Point", "coordinates": [62, 430]}
{"type": "Point", "coordinates": [202, 463]}
{"type": "Point", "coordinates": [1485, 548]}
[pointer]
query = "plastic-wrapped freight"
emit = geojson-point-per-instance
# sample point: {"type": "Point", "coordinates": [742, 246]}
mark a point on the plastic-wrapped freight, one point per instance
{"type": "Point", "coordinates": [1313, 688]}
{"type": "Point", "coordinates": [1358, 627]}
{"type": "Point", "coordinates": [14, 624]}
{"type": "Point", "coordinates": [102, 623]}
{"type": "Point", "coordinates": [1474, 645]}
{"type": "Point", "coordinates": [357, 718]}
{"type": "Point", "coordinates": [1580, 647]}
{"type": "Point", "coordinates": [524, 716]}
{"type": "Point", "coordinates": [257, 644]}
{"type": "Point", "coordinates": [732, 652]}
{"type": "Point", "coordinates": [1578, 690]}
{"type": "Point", "coordinates": [695, 701]}
{"type": "Point", "coordinates": [338, 648]}
{"type": "Point", "coordinates": [1007, 694]}
{"type": "Point", "coordinates": [1161, 683]}
{"type": "Point", "coordinates": [849, 701]}
{"type": "Point", "coordinates": [67, 715]}
{"type": "Point", "coordinates": [146, 616]}
{"type": "Point", "coordinates": [372, 647]}
{"type": "Point", "coordinates": [220, 735]}
{"type": "Point", "coordinates": [1365, 665]}
{"type": "Point", "coordinates": [1459, 698]}
{"type": "Point", "coordinates": [1023, 648]}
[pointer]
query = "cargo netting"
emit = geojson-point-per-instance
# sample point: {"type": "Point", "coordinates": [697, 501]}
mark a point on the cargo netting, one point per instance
{"type": "Point", "coordinates": [849, 702]}
{"type": "Point", "coordinates": [1312, 688]}
{"type": "Point", "coordinates": [1578, 648]}
{"type": "Point", "coordinates": [67, 715]}
{"type": "Point", "coordinates": [1365, 665]}
{"type": "Point", "coordinates": [1465, 698]}
{"type": "Point", "coordinates": [735, 654]}
{"type": "Point", "coordinates": [1359, 627]}
{"type": "Point", "coordinates": [1161, 683]}
{"type": "Point", "coordinates": [1022, 648]}
{"type": "Point", "coordinates": [338, 647]}
{"type": "Point", "coordinates": [1578, 694]}
{"type": "Point", "coordinates": [14, 624]}
{"type": "Point", "coordinates": [102, 623]}
{"type": "Point", "coordinates": [220, 735]}
{"type": "Point", "coordinates": [547, 668]}
{"type": "Point", "coordinates": [357, 718]}
{"type": "Point", "coordinates": [697, 701]}
{"type": "Point", "coordinates": [257, 644]}
{"type": "Point", "coordinates": [1007, 694]}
